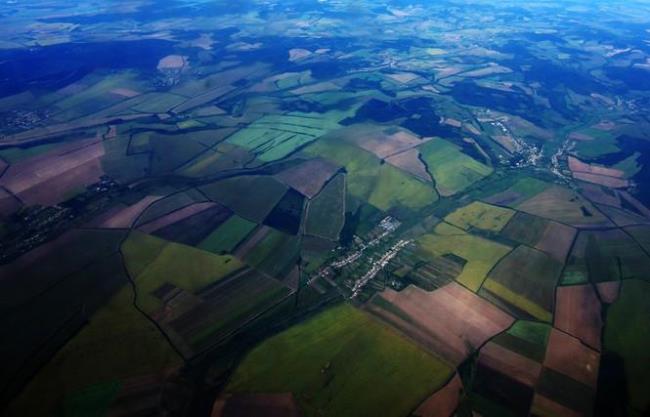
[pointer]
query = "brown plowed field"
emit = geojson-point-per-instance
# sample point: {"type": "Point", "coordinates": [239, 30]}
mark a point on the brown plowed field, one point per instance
{"type": "Point", "coordinates": [410, 162]}
{"type": "Point", "coordinates": [577, 312]}
{"type": "Point", "coordinates": [608, 291]}
{"type": "Point", "coordinates": [556, 240]}
{"type": "Point", "coordinates": [600, 195]}
{"type": "Point", "coordinates": [443, 402]}
{"type": "Point", "coordinates": [47, 178]}
{"type": "Point", "coordinates": [450, 321]}
{"type": "Point", "coordinates": [510, 363]}
{"type": "Point", "coordinates": [577, 165]}
{"type": "Point", "coordinates": [375, 140]}
{"type": "Point", "coordinates": [126, 216]}
{"type": "Point", "coordinates": [309, 177]}
{"type": "Point", "coordinates": [566, 355]}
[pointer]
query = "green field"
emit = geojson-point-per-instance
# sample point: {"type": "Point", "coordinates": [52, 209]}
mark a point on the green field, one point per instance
{"type": "Point", "coordinates": [326, 217]}
{"type": "Point", "coordinates": [101, 353]}
{"type": "Point", "coordinates": [96, 96]}
{"type": "Point", "coordinates": [16, 154]}
{"type": "Point", "coordinates": [482, 216]}
{"type": "Point", "coordinates": [169, 204]}
{"type": "Point", "coordinates": [627, 335]}
{"type": "Point", "coordinates": [528, 338]}
{"type": "Point", "coordinates": [276, 253]}
{"type": "Point", "coordinates": [525, 228]}
{"type": "Point", "coordinates": [254, 205]}
{"type": "Point", "coordinates": [481, 254]}
{"type": "Point", "coordinates": [368, 179]}
{"type": "Point", "coordinates": [275, 136]}
{"type": "Point", "coordinates": [228, 235]}
{"type": "Point", "coordinates": [630, 165]}
{"type": "Point", "coordinates": [158, 103]}
{"type": "Point", "coordinates": [603, 143]}
{"type": "Point", "coordinates": [526, 279]}
{"type": "Point", "coordinates": [153, 262]}
{"type": "Point", "coordinates": [608, 255]}
{"type": "Point", "coordinates": [452, 170]}
{"type": "Point", "coordinates": [342, 363]}
{"type": "Point", "coordinates": [226, 307]}
{"type": "Point", "coordinates": [92, 401]}
{"type": "Point", "coordinates": [169, 152]}
{"type": "Point", "coordinates": [518, 191]}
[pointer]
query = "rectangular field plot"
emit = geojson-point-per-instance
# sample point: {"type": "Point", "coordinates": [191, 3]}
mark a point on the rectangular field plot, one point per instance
{"type": "Point", "coordinates": [343, 364]}
{"type": "Point", "coordinates": [506, 378]}
{"type": "Point", "coordinates": [228, 235]}
{"type": "Point", "coordinates": [50, 177]}
{"type": "Point", "coordinates": [564, 206]}
{"type": "Point", "coordinates": [309, 177]}
{"type": "Point", "coordinates": [325, 215]}
{"type": "Point", "coordinates": [368, 179]}
{"type": "Point", "coordinates": [527, 338]}
{"type": "Point", "coordinates": [480, 254]}
{"type": "Point", "coordinates": [275, 136]}
{"type": "Point", "coordinates": [525, 279]}
{"type": "Point", "coordinates": [253, 206]}
{"type": "Point", "coordinates": [548, 236]}
{"type": "Point", "coordinates": [69, 279]}
{"type": "Point", "coordinates": [286, 216]}
{"type": "Point", "coordinates": [578, 313]}
{"type": "Point", "coordinates": [102, 351]}
{"type": "Point", "coordinates": [480, 215]}
{"type": "Point", "coordinates": [608, 255]}
{"type": "Point", "coordinates": [275, 253]}
{"type": "Point", "coordinates": [626, 339]}
{"type": "Point", "coordinates": [469, 320]}
{"type": "Point", "coordinates": [153, 262]}
{"type": "Point", "coordinates": [221, 308]}
{"type": "Point", "coordinates": [523, 189]}
{"type": "Point", "coordinates": [452, 170]}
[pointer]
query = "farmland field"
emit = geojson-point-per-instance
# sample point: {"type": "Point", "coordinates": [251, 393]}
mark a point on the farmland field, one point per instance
{"type": "Point", "coordinates": [274, 137]}
{"type": "Point", "coordinates": [527, 338]}
{"type": "Point", "coordinates": [381, 185]}
{"type": "Point", "coordinates": [415, 312]}
{"type": "Point", "coordinates": [626, 336]}
{"type": "Point", "coordinates": [326, 212]}
{"type": "Point", "coordinates": [562, 205]}
{"type": "Point", "coordinates": [452, 170]}
{"type": "Point", "coordinates": [153, 262]}
{"type": "Point", "coordinates": [255, 206]}
{"type": "Point", "coordinates": [525, 279]}
{"type": "Point", "coordinates": [324, 208]}
{"type": "Point", "coordinates": [480, 254]}
{"type": "Point", "coordinates": [228, 235]}
{"type": "Point", "coordinates": [275, 253]}
{"type": "Point", "coordinates": [341, 363]}
{"type": "Point", "coordinates": [115, 333]}
{"type": "Point", "coordinates": [480, 215]}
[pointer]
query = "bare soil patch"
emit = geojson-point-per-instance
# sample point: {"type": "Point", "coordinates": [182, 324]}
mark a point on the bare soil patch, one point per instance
{"type": "Point", "coordinates": [577, 312]}
{"type": "Point", "coordinates": [566, 355]}
{"type": "Point", "coordinates": [468, 321]}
